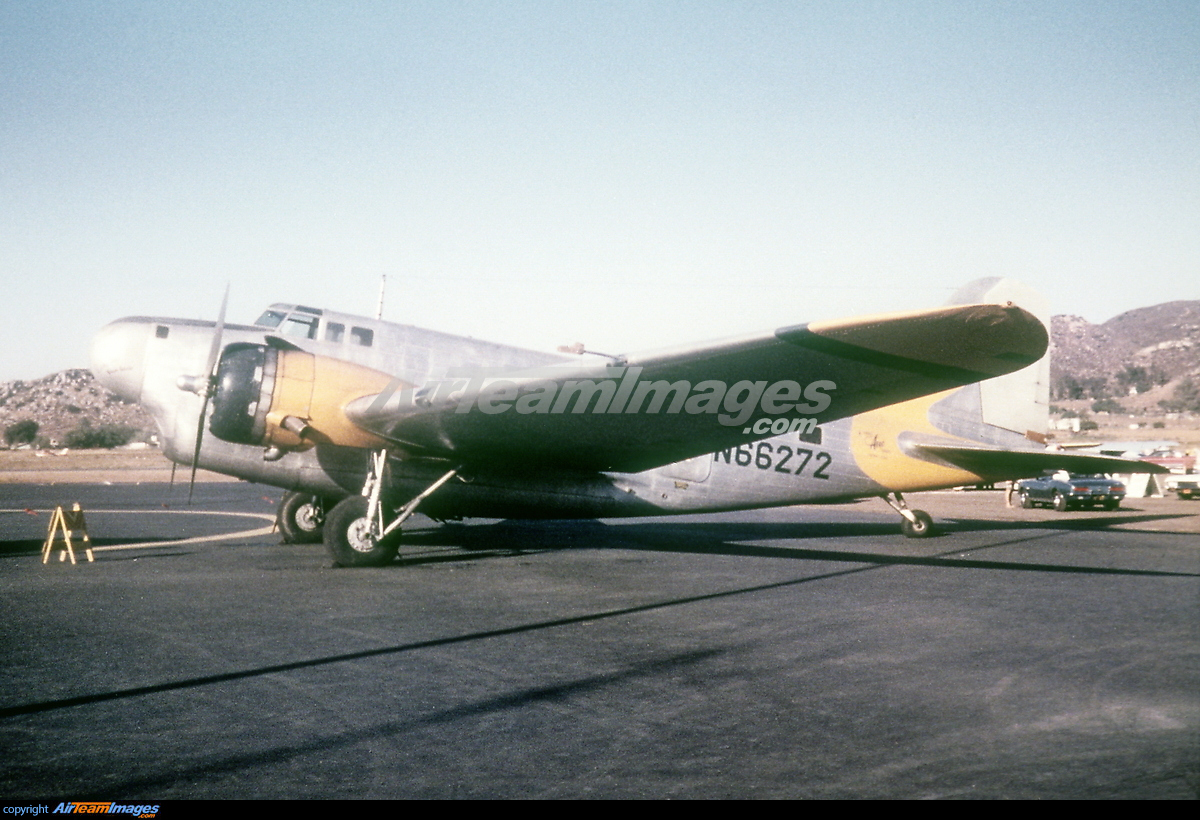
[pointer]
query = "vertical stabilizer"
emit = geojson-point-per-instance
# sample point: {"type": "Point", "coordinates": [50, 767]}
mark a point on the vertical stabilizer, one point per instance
{"type": "Point", "coordinates": [1020, 401]}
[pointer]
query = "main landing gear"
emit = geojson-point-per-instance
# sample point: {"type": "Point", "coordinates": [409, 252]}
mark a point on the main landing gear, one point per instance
{"type": "Point", "coordinates": [301, 518]}
{"type": "Point", "coordinates": [357, 532]}
{"type": "Point", "coordinates": [913, 523]}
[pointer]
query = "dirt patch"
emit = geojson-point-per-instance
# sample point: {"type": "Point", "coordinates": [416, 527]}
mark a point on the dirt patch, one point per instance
{"type": "Point", "coordinates": [92, 466]}
{"type": "Point", "coordinates": [1134, 428]}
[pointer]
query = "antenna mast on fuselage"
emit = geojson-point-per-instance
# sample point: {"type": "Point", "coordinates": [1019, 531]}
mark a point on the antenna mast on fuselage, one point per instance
{"type": "Point", "coordinates": [382, 286]}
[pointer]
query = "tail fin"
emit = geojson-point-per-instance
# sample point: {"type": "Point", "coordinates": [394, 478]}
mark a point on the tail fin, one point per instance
{"type": "Point", "coordinates": [988, 431]}
{"type": "Point", "coordinates": [1018, 402]}
{"type": "Point", "coordinates": [1008, 415]}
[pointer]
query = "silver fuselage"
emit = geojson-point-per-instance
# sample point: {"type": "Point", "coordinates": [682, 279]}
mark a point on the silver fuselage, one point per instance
{"type": "Point", "coordinates": [142, 359]}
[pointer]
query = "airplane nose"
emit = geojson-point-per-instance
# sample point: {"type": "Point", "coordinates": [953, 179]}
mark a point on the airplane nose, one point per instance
{"type": "Point", "coordinates": [118, 355]}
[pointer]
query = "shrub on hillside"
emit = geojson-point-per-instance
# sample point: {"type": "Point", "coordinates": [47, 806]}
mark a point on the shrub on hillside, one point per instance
{"type": "Point", "coordinates": [21, 432]}
{"type": "Point", "coordinates": [106, 436]}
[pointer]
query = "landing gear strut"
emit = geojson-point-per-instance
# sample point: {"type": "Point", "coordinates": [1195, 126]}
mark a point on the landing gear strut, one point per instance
{"type": "Point", "coordinates": [913, 523]}
{"type": "Point", "coordinates": [357, 533]}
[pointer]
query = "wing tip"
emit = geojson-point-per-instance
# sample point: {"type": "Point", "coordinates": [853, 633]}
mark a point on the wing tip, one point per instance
{"type": "Point", "coordinates": [983, 339]}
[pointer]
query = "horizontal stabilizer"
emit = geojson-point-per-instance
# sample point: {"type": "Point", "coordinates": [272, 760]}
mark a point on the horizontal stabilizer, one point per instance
{"type": "Point", "coordinates": [998, 464]}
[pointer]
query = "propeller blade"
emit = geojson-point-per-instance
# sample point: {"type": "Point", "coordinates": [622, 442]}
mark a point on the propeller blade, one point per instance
{"type": "Point", "coordinates": [196, 451]}
{"type": "Point", "coordinates": [210, 374]}
{"type": "Point", "coordinates": [214, 350]}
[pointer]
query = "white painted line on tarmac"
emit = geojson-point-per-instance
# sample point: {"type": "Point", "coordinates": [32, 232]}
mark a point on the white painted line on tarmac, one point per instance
{"type": "Point", "coordinates": [199, 539]}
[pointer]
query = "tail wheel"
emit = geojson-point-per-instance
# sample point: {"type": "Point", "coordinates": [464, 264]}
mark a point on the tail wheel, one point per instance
{"type": "Point", "coordinates": [922, 527]}
{"type": "Point", "coordinates": [351, 537]}
{"type": "Point", "coordinates": [301, 518]}
{"type": "Point", "coordinates": [1060, 502]}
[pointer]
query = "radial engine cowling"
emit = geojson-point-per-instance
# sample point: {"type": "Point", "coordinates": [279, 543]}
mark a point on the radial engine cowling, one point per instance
{"type": "Point", "coordinates": [290, 399]}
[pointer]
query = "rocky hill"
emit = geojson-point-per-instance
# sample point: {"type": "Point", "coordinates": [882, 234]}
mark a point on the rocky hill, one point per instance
{"type": "Point", "coordinates": [1138, 358]}
{"type": "Point", "coordinates": [65, 402]}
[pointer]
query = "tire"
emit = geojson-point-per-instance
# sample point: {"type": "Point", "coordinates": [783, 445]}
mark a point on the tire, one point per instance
{"type": "Point", "coordinates": [347, 538]}
{"type": "Point", "coordinates": [1026, 501]}
{"type": "Point", "coordinates": [1060, 502]}
{"type": "Point", "coordinates": [301, 518]}
{"type": "Point", "coordinates": [921, 528]}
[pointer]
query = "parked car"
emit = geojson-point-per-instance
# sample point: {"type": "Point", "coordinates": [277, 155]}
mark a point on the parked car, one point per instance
{"type": "Point", "coordinates": [1064, 492]}
{"type": "Point", "coordinates": [1186, 488]}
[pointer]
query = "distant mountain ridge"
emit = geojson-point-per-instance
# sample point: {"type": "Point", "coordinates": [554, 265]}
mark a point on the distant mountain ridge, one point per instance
{"type": "Point", "coordinates": [1147, 352]}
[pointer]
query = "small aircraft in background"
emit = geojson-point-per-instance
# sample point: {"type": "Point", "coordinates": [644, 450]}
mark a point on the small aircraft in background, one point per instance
{"type": "Point", "coordinates": [362, 420]}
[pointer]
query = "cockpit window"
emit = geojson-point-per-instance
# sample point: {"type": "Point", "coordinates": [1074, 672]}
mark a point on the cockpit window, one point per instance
{"type": "Point", "coordinates": [304, 327]}
{"type": "Point", "coordinates": [362, 336]}
{"type": "Point", "coordinates": [270, 318]}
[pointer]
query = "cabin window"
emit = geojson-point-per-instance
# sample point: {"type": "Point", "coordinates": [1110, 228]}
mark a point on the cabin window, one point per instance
{"type": "Point", "coordinates": [162, 332]}
{"type": "Point", "coordinates": [303, 327]}
{"type": "Point", "coordinates": [810, 436]}
{"type": "Point", "coordinates": [362, 336]}
{"type": "Point", "coordinates": [334, 331]}
{"type": "Point", "coordinates": [270, 318]}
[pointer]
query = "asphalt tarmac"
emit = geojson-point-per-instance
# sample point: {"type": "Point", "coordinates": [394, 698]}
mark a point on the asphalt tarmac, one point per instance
{"type": "Point", "coordinates": [799, 653]}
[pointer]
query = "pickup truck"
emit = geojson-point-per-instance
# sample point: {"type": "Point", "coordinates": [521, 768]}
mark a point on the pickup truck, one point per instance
{"type": "Point", "coordinates": [1064, 492]}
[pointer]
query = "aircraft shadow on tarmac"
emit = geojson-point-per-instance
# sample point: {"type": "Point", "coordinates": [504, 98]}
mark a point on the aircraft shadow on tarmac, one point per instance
{"type": "Point", "coordinates": [515, 537]}
{"type": "Point", "coordinates": [486, 541]}
{"type": "Point", "coordinates": [456, 542]}
{"type": "Point", "coordinates": [523, 537]}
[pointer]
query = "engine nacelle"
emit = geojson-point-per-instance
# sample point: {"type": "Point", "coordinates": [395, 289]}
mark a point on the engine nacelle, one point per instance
{"type": "Point", "coordinates": [290, 399]}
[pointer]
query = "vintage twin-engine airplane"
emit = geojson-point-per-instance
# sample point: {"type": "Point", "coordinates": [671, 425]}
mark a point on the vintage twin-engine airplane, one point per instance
{"type": "Point", "coordinates": [363, 420]}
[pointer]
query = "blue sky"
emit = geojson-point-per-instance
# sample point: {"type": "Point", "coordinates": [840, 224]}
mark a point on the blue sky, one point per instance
{"type": "Point", "coordinates": [625, 174]}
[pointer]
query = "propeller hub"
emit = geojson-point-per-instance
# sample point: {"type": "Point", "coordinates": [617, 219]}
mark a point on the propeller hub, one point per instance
{"type": "Point", "coordinates": [244, 384]}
